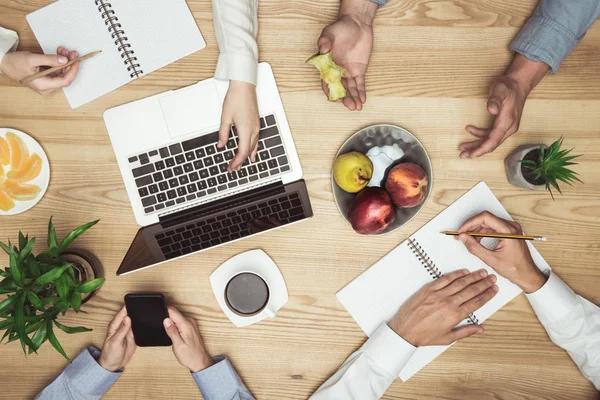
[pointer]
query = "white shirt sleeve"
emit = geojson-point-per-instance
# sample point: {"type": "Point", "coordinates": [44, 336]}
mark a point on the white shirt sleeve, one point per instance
{"type": "Point", "coordinates": [236, 27]}
{"type": "Point", "coordinates": [367, 373]}
{"type": "Point", "coordinates": [572, 322]}
{"type": "Point", "coordinates": [9, 40]}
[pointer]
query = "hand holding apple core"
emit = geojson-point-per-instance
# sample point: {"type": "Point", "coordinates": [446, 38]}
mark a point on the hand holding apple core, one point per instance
{"type": "Point", "coordinates": [407, 185]}
{"type": "Point", "coordinates": [372, 211]}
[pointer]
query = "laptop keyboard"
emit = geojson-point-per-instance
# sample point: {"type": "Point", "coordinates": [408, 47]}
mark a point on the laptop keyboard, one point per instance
{"type": "Point", "coordinates": [230, 225]}
{"type": "Point", "coordinates": [191, 169]}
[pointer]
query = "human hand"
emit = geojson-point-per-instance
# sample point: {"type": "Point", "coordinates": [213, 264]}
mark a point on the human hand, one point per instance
{"type": "Point", "coordinates": [506, 101]}
{"type": "Point", "coordinates": [240, 108]}
{"type": "Point", "coordinates": [21, 64]}
{"type": "Point", "coordinates": [350, 40]}
{"type": "Point", "coordinates": [430, 316]}
{"type": "Point", "coordinates": [511, 258]}
{"type": "Point", "coordinates": [119, 344]}
{"type": "Point", "coordinates": [187, 343]}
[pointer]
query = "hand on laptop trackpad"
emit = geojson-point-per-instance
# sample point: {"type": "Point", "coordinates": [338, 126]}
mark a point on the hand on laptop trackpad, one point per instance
{"type": "Point", "coordinates": [192, 109]}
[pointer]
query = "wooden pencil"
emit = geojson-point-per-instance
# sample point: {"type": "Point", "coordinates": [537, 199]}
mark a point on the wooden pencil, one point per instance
{"type": "Point", "coordinates": [498, 235]}
{"type": "Point", "coordinates": [49, 71]}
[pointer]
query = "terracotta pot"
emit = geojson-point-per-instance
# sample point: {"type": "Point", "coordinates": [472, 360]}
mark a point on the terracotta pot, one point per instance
{"type": "Point", "coordinates": [515, 169]}
{"type": "Point", "coordinates": [87, 267]}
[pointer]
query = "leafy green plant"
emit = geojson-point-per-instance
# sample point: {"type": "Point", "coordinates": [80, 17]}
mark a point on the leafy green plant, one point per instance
{"type": "Point", "coordinates": [552, 165]}
{"type": "Point", "coordinates": [40, 288]}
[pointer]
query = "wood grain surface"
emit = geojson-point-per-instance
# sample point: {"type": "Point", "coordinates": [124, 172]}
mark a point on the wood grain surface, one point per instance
{"type": "Point", "coordinates": [432, 64]}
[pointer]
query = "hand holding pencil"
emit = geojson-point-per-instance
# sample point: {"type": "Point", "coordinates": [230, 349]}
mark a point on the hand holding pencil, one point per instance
{"type": "Point", "coordinates": [511, 258]}
{"type": "Point", "coordinates": [22, 64]}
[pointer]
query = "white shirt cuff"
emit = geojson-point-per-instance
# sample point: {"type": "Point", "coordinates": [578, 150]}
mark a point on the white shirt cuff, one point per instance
{"type": "Point", "coordinates": [553, 301]}
{"type": "Point", "coordinates": [9, 40]}
{"type": "Point", "coordinates": [388, 350]}
{"type": "Point", "coordinates": [237, 67]}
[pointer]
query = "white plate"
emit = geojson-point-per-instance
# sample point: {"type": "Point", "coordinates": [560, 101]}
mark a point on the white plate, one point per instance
{"type": "Point", "coordinates": [42, 180]}
{"type": "Point", "coordinates": [257, 262]}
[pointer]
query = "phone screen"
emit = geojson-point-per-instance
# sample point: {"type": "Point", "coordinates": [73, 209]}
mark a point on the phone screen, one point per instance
{"type": "Point", "coordinates": [147, 312]}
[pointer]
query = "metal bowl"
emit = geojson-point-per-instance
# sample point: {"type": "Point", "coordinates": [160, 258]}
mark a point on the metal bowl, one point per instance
{"type": "Point", "coordinates": [384, 135]}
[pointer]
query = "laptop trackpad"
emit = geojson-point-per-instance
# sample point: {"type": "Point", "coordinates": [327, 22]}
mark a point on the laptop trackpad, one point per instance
{"type": "Point", "coordinates": [192, 109]}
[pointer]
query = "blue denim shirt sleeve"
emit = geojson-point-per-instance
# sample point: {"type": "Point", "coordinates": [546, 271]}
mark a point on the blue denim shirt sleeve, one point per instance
{"type": "Point", "coordinates": [82, 379]}
{"type": "Point", "coordinates": [221, 382]}
{"type": "Point", "coordinates": [554, 30]}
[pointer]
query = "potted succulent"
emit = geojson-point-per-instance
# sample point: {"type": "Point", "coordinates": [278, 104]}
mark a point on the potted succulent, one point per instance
{"type": "Point", "coordinates": [41, 287]}
{"type": "Point", "coordinates": [540, 166]}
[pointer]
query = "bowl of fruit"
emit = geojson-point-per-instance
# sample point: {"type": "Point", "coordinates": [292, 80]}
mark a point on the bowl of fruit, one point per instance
{"type": "Point", "coordinates": [381, 178]}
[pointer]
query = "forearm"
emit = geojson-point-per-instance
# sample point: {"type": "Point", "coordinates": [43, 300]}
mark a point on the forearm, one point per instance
{"type": "Point", "coordinates": [572, 322]}
{"type": "Point", "coordinates": [367, 373]}
{"type": "Point", "coordinates": [82, 379]}
{"type": "Point", "coordinates": [9, 40]}
{"type": "Point", "coordinates": [527, 73]}
{"type": "Point", "coordinates": [236, 27]}
{"type": "Point", "coordinates": [220, 382]}
{"type": "Point", "coordinates": [361, 10]}
{"type": "Point", "coordinates": [554, 29]}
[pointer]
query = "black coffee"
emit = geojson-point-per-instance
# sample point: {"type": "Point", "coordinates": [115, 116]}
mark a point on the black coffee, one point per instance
{"type": "Point", "coordinates": [247, 293]}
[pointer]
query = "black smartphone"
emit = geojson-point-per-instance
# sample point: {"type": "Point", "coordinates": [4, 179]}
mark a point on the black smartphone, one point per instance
{"type": "Point", "coordinates": [147, 312]}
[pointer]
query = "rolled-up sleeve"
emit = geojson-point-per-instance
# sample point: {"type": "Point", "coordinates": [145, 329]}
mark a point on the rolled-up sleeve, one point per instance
{"type": "Point", "coordinates": [9, 40]}
{"type": "Point", "coordinates": [554, 30]}
{"type": "Point", "coordinates": [221, 382]}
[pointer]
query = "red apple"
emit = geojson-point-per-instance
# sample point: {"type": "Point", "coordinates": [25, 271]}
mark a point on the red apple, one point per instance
{"type": "Point", "coordinates": [372, 211]}
{"type": "Point", "coordinates": [407, 184]}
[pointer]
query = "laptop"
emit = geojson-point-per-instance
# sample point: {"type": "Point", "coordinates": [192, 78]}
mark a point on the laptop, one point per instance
{"type": "Point", "coordinates": [177, 181]}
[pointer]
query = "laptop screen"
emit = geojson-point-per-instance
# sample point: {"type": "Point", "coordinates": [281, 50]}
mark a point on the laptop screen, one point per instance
{"type": "Point", "coordinates": [217, 223]}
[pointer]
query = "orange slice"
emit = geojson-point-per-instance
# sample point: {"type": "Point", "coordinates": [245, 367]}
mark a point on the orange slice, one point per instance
{"type": "Point", "coordinates": [4, 152]}
{"type": "Point", "coordinates": [19, 191]}
{"type": "Point", "coordinates": [6, 203]}
{"type": "Point", "coordinates": [18, 150]}
{"type": "Point", "coordinates": [1, 170]}
{"type": "Point", "coordinates": [28, 170]}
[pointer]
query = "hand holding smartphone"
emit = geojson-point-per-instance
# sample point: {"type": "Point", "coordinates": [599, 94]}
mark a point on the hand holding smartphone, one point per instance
{"type": "Point", "coordinates": [147, 312]}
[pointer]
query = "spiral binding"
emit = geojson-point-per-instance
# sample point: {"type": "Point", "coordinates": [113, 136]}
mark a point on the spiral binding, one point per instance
{"type": "Point", "coordinates": [431, 268]}
{"type": "Point", "coordinates": [118, 34]}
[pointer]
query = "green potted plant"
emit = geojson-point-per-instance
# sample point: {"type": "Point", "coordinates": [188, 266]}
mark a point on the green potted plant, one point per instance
{"type": "Point", "coordinates": [41, 287]}
{"type": "Point", "coordinates": [539, 166]}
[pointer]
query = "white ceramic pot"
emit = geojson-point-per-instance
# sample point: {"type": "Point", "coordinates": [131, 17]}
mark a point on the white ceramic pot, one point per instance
{"type": "Point", "coordinates": [514, 173]}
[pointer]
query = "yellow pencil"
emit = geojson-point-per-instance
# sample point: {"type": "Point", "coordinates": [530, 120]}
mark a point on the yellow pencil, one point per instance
{"type": "Point", "coordinates": [48, 71]}
{"type": "Point", "coordinates": [497, 235]}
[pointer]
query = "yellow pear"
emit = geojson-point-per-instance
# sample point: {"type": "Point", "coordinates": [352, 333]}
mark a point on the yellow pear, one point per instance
{"type": "Point", "coordinates": [352, 171]}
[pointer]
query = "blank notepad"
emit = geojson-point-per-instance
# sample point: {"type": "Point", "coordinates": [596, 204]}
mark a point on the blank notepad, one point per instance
{"type": "Point", "coordinates": [374, 297]}
{"type": "Point", "coordinates": [136, 37]}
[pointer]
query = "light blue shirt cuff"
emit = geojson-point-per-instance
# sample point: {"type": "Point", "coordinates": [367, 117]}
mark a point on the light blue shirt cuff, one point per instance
{"type": "Point", "coordinates": [542, 39]}
{"type": "Point", "coordinates": [221, 382]}
{"type": "Point", "coordinates": [83, 378]}
{"type": "Point", "coordinates": [380, 2]}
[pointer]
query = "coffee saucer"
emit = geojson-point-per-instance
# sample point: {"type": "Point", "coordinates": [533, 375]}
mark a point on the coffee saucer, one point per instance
{"type": "Point", "coordinates": [257, 262]}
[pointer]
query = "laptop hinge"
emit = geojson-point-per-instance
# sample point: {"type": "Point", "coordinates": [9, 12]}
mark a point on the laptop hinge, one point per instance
{"type": "Point", "coordinates": [222, 203]}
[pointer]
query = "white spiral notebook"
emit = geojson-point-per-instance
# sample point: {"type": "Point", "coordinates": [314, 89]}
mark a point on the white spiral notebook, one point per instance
{"type": "Point", "coordinates": [136, 37]}
{"type": "Point", "coordinates": [374, 296]}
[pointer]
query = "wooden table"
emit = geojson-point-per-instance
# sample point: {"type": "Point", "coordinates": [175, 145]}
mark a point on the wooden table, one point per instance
{"type": "Point", "coordinates": [430, 72]}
